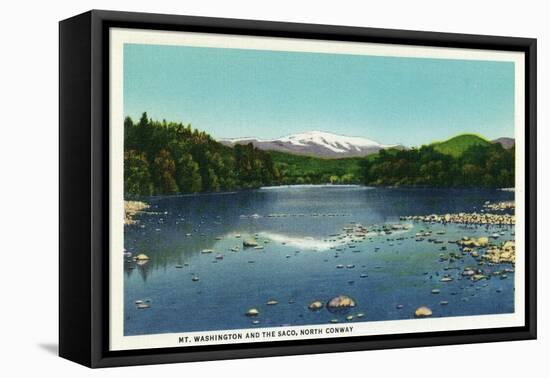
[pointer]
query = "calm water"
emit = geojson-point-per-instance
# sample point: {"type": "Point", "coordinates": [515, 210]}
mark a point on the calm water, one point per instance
{"type": "Point", "coordinates": [302, 231]}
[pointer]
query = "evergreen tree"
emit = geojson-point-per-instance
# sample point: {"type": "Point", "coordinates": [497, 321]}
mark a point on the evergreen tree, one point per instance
{"type": "Point", "coordinates": [137, 180]}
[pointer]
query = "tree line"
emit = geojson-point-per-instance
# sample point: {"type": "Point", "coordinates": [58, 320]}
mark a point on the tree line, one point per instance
{"type": "Point", "coordinates": [168, 158]}
{"type": "Point", "coordinates": [488, 165]}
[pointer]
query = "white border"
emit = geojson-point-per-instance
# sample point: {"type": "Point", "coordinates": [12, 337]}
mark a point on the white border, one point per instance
{"type": "Point", "coordinates": [118, 37]}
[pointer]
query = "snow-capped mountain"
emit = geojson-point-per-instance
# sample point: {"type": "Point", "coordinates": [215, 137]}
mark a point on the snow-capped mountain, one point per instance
{"type": "Point", "coordinates": [316, 143]}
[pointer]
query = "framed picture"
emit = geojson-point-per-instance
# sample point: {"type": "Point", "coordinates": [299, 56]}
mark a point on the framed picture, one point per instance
{"type": "Point", "coordinates": [234, 188]}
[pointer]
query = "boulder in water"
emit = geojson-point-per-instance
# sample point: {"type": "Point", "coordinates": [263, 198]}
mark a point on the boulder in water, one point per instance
{"type": "Point", "coordinates": [340, 303]}
{"type": "Point", "coordinates": [423, 312]}
{"type": "Point", "coordinates": [483, 241]}
{"type": "Point", "coordinates": [478, 277]}
{"type": "Point", "coordinates": [315, 305]}
{"type": "Point", "coordinates": [250, 243]}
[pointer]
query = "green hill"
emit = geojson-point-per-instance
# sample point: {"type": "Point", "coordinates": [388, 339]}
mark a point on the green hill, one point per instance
{"type": "Point", "coordinates": [460, 143]}
{"type": "Point", "coordinates": [463, 161]}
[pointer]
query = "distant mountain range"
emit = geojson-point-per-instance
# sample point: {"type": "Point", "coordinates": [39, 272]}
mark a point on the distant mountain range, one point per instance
{"type": "Point", "coordinates": [316, 143]}
{"type": "Point", "coordinates": [329, 145]}
{"type": "Point", "coordinates": [505, 142]}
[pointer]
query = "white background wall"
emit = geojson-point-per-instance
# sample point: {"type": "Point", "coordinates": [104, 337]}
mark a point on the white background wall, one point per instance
{"type": "Point", "coordinates": [29, 189]}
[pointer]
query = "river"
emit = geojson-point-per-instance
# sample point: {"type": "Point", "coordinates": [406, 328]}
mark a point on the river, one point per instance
{"type": "Point", "coordinates": [199, 277]}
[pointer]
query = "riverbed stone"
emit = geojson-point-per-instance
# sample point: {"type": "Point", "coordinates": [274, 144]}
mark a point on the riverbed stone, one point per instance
{"type": "Point", "coordinates": [250, 243]}
{"type": "Point", "coordinates": [423, 312]}
{"type": "Point", "coordinates": [315, 305]}
{"type": "Point", "coordinates": [340, 303]}
{"type": "Point", "coordinates": [478, 277]}
{"type": "Point", "coordinates": [483, 241]}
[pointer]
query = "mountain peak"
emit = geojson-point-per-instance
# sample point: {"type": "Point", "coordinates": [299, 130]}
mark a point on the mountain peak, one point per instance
{"type": "Point", "coordinates": [505, 142]}
{"type": "Point", "coordinates": [333, 142]}
{"type": "Point", "coordinates": [315, 143]}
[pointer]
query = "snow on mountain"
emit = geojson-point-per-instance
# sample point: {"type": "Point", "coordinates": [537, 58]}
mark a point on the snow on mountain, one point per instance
{"type": "Point", "coordinates": [316, 143]}
{"type": "Point", "coordinates": [336, 143]}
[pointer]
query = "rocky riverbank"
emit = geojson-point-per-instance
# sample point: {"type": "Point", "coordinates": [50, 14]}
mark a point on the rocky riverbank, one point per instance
{"type": "Point", "coordinates": [500, 206]}
{"type": "Point", "coordinates": [495, 253]}
{"type": "Point", "coordinates": [503, 253]}
{"type": "Point", "coordinates": [464, 218]}
{"type": "Point", "coordinates": [475, 218]}
{"type": "Point", "coordinates": [131, 209]}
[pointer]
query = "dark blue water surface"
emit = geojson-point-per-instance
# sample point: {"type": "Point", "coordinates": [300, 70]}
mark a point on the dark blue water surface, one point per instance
{"type": "Point", "coordinates": [303, 232]}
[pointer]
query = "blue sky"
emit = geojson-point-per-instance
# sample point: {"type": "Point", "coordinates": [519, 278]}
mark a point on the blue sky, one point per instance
{"type": "Point", "coordinates": [268, 94]}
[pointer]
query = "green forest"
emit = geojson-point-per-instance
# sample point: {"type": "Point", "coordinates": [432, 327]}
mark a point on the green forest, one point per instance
{"type": "Point", "coordinates": [299, 169]}
{"type": "Point", "coordinates": [168, 158]}
{"type": "Point", "coordinates": [163, 157]}
{"type": "Point", "coordinates": [480, 165]}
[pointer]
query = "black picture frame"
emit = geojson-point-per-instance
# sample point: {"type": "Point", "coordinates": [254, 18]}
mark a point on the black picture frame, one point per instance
{"type": "Point", "coordinates": [84, 187]}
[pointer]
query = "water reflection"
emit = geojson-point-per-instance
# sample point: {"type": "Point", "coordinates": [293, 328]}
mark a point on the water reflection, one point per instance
{"type": "Point", "coordinates": [284, 222]}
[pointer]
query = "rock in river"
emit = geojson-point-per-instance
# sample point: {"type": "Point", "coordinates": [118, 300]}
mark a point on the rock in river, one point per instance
{"type": "Point", "coordinates": [142, 257]}
{"type": "Point", "coordinates": [250, 243]}
{"type": "Point", "coordinates": [315, 305]}
{"type": "Point", "coordinates": [252, 312]}
{"type": "Point", "coordinates": [478, 277]}
{"type": "Point", "coordinates": [423, 312]}
{"type": "Point", "coordinates": [341, 302]}
{"type": "Point", "coordinates": [483, 241]}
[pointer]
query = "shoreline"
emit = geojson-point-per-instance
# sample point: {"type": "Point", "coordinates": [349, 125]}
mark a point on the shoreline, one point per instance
{"type": "Point", "coordinates": [306, 186]}
{"type": "Point", "coordinates": [482, 218]}
{"type": "Point", "coordinates": [133, 208]}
